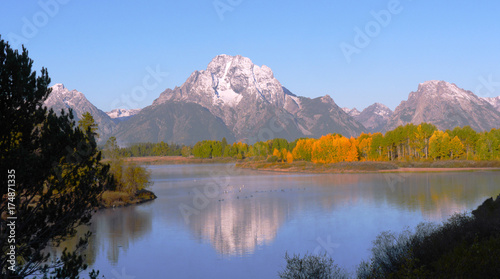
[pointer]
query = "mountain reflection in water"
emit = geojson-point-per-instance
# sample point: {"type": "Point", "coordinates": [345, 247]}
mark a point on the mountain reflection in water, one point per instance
{"type": "Point", "coordinates": [271, 214]}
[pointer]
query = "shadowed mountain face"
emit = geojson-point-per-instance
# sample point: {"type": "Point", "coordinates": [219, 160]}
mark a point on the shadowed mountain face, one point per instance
{"type": "Point", "coordinates": [173, 122]}
{"type": "Point", "coordinates": [374, 117]}
{"type": "Point", "coordinates": [235, 99]}
{"type": "Point", "coordinates": [251, 103]}
{"type": "Point", "coordinates": [446, 106]}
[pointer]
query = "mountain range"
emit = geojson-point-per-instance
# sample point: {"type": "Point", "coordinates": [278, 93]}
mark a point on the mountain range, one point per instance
{"type": "Point", "coordinates": [446, 106]}
{"type": "Point", "coordinates": [238, 100]}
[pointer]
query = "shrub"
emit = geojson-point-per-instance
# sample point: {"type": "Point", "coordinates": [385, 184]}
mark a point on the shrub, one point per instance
{"type": "Point", "coordinates": [272, 159]}
{"type": "Point", "coordinates": [311, 266]}
{"type": "Point", "coordinates": [464, 246]}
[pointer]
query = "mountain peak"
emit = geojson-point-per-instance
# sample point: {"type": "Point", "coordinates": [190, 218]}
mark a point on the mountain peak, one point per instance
{"type": "Point", "coordinates": [447, 106]}
{"type": "Point", "coordinates": [352, 112]}
{"type": "Point", "coordinates": [63, 99]}
{"type": "Point", "coordinates": [58, 86]}
{"type": "Point", "coordinates": [226, 82]}
{"type": "Point", "coordinates": [379, 105]}
{"type": "Point", "coordinates": [442, 89]}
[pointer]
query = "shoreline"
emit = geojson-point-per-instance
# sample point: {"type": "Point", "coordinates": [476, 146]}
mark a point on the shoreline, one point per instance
{"type": "Point", "coordinates": [114, 199]}
{"type": "Point", "coordinates": [343, 167]}
{"type": "Point", "coordinates": [363, 167]}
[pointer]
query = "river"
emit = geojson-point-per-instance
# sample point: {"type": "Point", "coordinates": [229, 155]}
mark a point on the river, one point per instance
{"type": "Point", "coordinates": [217, 221]}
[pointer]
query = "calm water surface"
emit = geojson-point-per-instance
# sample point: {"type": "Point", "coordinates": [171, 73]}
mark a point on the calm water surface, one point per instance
{"type": "Point", "coordinates": [216, 221]}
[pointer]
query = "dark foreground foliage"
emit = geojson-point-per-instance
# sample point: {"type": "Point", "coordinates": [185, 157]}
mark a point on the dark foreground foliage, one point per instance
{"type": "Point", "coordinates": [311, 266]}
{"type": "Point", "coordinates": [465, 246]}
{"type": "Point", "coordinates": [52, 175]}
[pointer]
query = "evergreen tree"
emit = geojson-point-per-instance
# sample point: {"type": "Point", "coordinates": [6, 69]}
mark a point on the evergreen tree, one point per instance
{"type": "Point", "coordinates": [55, 171]}
{"type": "Point", "coordinates": [87, 122]}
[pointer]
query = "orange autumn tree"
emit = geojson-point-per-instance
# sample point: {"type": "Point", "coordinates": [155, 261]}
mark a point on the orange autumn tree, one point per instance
{"type": "Point", "coordinates": [277, 153]}
{"type": "Point", "coordinates": [364, 145]}
{"type": "Point", "coordinates": [333, 149]}
{"type": "Point", "coordinates": [289, 157]}
{"type": "Point", "coordinates": [353, 154]}
{"type": "Point", "coordinates": [323, 149]}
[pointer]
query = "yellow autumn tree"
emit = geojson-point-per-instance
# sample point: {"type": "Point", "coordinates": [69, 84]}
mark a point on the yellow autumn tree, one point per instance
{"type": "Point", "coordinates": [457, 149]}
{"type": "Point", "coordinates": [284, 155]}
{"type": "Point", "coordinates": [439, 145]}
{"type": "Point", "coordinates": [303, 149]}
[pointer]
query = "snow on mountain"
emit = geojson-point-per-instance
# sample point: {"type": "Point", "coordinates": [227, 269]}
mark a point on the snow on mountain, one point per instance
{"type": "Point", "coordinates": [447, 106]}
{"type": "Point", "coordinates": [374, 117]}
{"type": "Point", "coordinates": [494, 101]}
{"type": "Point", "coordinates": [122, 113]}
{"type": "Point", "coordinates": [62, 98]}
{"type": "Point", "coordinates": [247, 98]}
{"type": "Point", "coordinates": [352, 112]}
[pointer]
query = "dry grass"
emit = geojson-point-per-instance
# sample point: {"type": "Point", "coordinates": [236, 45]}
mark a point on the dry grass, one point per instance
{"type": "Point", "coordinates": [118, 198]}
{"type": "Point", "coordinates": [302, 166]}
{"type": "Point", "coordinates": [450, 164]}
{"type": "Point", "coordinates": [369, 166]}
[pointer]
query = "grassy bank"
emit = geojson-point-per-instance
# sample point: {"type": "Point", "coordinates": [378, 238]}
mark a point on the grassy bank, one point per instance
{"type": "Point", "coordinates": [119, 198]}
{"type": "Point", "coordinates": [369, 166]}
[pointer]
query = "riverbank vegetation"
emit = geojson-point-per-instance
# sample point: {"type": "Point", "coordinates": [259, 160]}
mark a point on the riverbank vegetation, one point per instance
{"type": "Point", "coordinates": [406, 143]}
{"type": "Point", "coordinates": [130, 179]}
{"type": "Point", "coordinates": [408, 146]}
{"type": "Point", "coordinates": [464, 246]}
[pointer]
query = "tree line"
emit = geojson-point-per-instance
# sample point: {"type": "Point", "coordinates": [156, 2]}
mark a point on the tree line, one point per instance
{"type": "Point", "coordinates": [405, 143]}
{"type": "Point", "coordinates": [148, 149]}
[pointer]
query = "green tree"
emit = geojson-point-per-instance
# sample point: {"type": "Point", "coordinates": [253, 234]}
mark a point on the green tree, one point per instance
{"type": "Point", "coordinates": [111, 149]}
{"type": "Point", "coordinates": [186, 151]}
{"type": "Point", "coordinates": [160, 149]}
{"type": "Point", "coordinates": [87, 122]}
{"type": "Point", "coordinates": [134, 178]}
{"type": "Point", "coordinates": [55, 169]}
{"type": "Point", "coordinates": [203, 149]}
{"type": "Point", "coordinates": [279, 144]}
{"type": "Point", "coordinates": [224, 144]}
{"type": "Point", "coordinates": [217, 149]}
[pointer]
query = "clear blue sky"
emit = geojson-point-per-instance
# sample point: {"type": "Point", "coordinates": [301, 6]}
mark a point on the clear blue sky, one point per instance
{"type": "Point", "coordinates": [105, 48]}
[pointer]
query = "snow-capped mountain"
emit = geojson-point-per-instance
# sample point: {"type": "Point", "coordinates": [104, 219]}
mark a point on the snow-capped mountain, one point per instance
{"type": "Point", "coordinates": [374, 117]}
{"type": "Point", "coordinates": [250, 102]}
{"type": "Point", "coordinates": [352, 112]}
{"type": "Point", "coordinates": [122, 114]}
{"type": "Point", "coordinates": [62, 98]}
{"type": "Point", "coordinates": [446, 106]}
{"type": "Point", "coordinates": [494, 101]}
